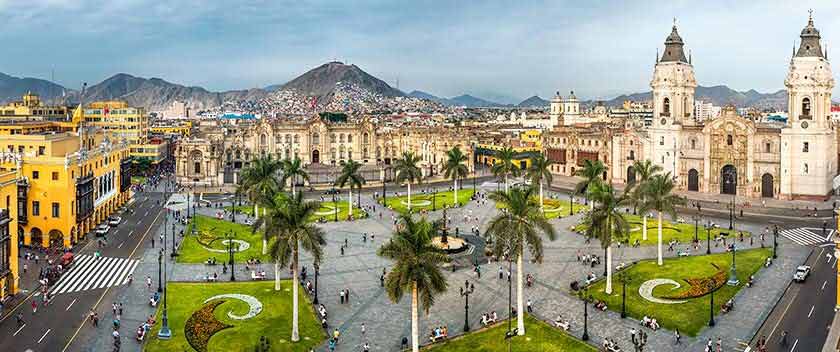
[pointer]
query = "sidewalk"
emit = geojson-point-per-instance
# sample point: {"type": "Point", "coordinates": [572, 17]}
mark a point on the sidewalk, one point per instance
{"type": "Point", "coordinates": [720, 202]}
{"type": "Point", "coordinates": [832, 342]}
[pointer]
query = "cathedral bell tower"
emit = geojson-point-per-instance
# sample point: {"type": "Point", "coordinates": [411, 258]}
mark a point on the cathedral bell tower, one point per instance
{"type": "Point", "coordinates": [809, 150]}
{"type": "Point", "coordinates": [673, 87]}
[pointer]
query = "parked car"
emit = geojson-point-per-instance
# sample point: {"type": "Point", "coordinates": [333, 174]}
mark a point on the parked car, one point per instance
{"type": "Point", "coordinates": [114, 220]}
{"type": "Point", "coordinates": [102, 230]}
{"type": "Point", "coordinates": [801, 273]}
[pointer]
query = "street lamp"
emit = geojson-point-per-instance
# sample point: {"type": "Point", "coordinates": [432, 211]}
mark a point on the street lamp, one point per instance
{"type": "Point", "coordinates": [711, 302]}
{"type": "Point", "coordinates": [384, 182]}
{"type": "Point", "coordinates": [160, 271]}
{"type": "Point", "coordinates": [434, 195]}
{"type": "Point", "coordinates": [165, 333]}
{"type": "Point", "coordinates": [466, 291]}
{"type": "Point", "coordinates": [733, 275]}
{"type": "Point", "coordinates": [317, 267]}
{"type": "Point", "coordinates": [708, 238]}
{"type": "Point", "coordinates": [572, 204]}
{"type": "Point", "coordinates": [229, 237]}
{"type": "Point", "coordinates": [605, 262]}
{"type": "Point", "coordinates": [584, 294]}
{"type": "Point", "coordinates": [624, 278]}
{"type": "Point", "coordinates": [730, 180]}
{"type": "Point", "coordinates": [696, 220]}
{"type": "Point", "coordinates": [775, 243]}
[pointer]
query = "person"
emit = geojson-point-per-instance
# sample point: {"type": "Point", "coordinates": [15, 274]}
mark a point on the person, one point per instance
{"type": "Point", "coordinates": [363, 329]}
{"type": "Point", "coordinates": [783, 340]}
{"type": "Point", "coordinates": [677, 336]}
{"type": "Point", "coordinates": [530, 310]}
{"type": "Point", "coordinates": [404, 343]}
{"type": "Point", "coordinates": [19, 318]}
{"type": "Point", "coordinates": [336, 334]}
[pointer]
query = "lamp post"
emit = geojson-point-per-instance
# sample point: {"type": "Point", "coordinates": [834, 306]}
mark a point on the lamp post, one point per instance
{"type": "Point", "coordinates": [229, 237]}
{"type": "Point", "coordinates": [160, 271]}
{"type": "Point", "coordinates": [605, 262]}
{"type": "Point", "coordinates": [733, 274]}
{"type": "Point", "coordinates": [316, 267]}
{"type": "Point", "coordinates": [434, 195]}
{"type": "Point", "coordinates": [165, 333]}
{"type": "Point", "coordinates": [335, 205]}
{"type": "Point", "coordinates": [696, 220]}
{"type": "Point", "coordinates": [466, 291]}
{"type": "Point", "coordinates": [624, 278]}
{"type": "Point", "coordinates": [711, 303]}
{"type": "Point", "coordinates": [708, 238]}
{"type": "Point", "coordinates": [571, 204]}
{"type": "Point", "coordinates": [584, 293]}
{"type": "Point", "coordinates": [775, 243]}
{"type": "Point", "coordinates": [384, 181]}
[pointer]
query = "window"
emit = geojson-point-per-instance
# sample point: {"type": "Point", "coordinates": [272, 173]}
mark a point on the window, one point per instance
{"type": "Point", "coordinates": [349, 138]}
{"type": "Point", "coordinates": [804, 147]}
{"type": "Point", "coordinates": [805, 168]}
{"type": "Point", "coordinates": [35, 175]}
{"type": "Point", "coordinates": [728, 139]}
{"type": "Point", "coordinates": [767, 147]}
{"type": "Point", "coordinates": [55, 210]}
{"type": "Point", "coordinates": [36, 208]}
{"type": "Point", "coordinates": [55, 176]}
{"type": "Point", "coordinates": [666, 107]}
{"type": "Point", "coordinates": [197, 167]}
{"type": "Point", "coordinates": [332, 137]}
{"type": "Point", "coordinates": [806, 109]}
{"type": "Point", "coordinates": [316, 138]}
{"type": "Point", "coordinates": [693, 144]}
{"type": "Point", "coordinates": [661, 140]}
{"type": "Point", "coordinates": [41, 150]}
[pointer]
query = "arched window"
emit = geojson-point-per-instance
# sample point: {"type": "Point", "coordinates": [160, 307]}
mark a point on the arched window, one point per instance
{"type": "Point", "coordinates": [365, 138]}
{"type": "Point", "coordinates": [632, 155]}
{"type": "Point", "coordinates": [767, 146]}
{"type": "Point", "coordinates": [341, 138]}
{"type": "Point", "coordinates": [263, 139]}
{"type": "Point", "coordinates": [728, 139]}
{"type": "Point", "coordinates": [806, 109]}
{"type": "Point", "coordinates": [365, 153]}
{"type": "Point", "coordinates": [332, 137]}
{"type": "Point", "coordinates": [693, 144]}
{"type": "Point", "coordinates": [288, 138]}
{"type": "Point", "coordinates": [666, 107]}
{"type": "Point", "coordinates": [297, 139]}
{"type": "Point", "coordinates": [316, 138]}
{"type": "Point", "coordinates": [349, 138]}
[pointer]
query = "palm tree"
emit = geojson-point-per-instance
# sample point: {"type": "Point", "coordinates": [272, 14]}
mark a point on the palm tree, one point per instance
{"type": "Point", "coordinates": [416, 267]}
{"type": "Point", "coordinates": [539, 172]}
{"type": "Point", "coordinates": [519, 225]}
{"type": "Point", "coordinates": [292, 169]}
{"type": "Point", "coordinates": [606, 222]}
{"type": "Point", "coordinates": [503, 166]}
{"type": "Point", "coordinates": [258, 179]}
{"type": "Point", "coordinates": [289, 221]}
{"type": "Point", "coordinates": [408, 171]}
{"type": "Point", "coordinates": [350, 175]}
{"type": "Point", "coordinates": [659, 197]}
{"type": "Point", "coordinates": [455, 169]}
{"type": "Point", "coordinates": [591, 172]}
{"type": "Point", "coordinates": [644, 171]}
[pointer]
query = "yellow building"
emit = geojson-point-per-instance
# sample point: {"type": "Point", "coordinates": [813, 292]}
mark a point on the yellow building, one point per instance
{"type": "Point", "coordinates": [32, 108]}
{"type": "Point", "coordinates": [180, 128]}
{"type": "Point", "coordinates": [525, 146]}
{"type": "Point", "coordinates": [68, 183]}
{"type": "Point", "coordinates": [9, 279]}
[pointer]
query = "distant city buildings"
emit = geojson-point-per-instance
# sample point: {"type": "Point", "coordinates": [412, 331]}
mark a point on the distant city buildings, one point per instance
{"type": "Point", "coordinates": [704, 111]}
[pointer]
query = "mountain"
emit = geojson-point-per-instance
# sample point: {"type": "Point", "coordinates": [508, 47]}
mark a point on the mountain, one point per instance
{"type": "Point", "coordinates": [157, 94]}
{"type": "Point", "coordinates": [534, 102]}
{"type": "Point", "coordinates": [321, 81]}
{"type": "Point", "coordinates": [13, 88]}
{"type": "Point", "coordinates": [721, 95]}
{"type": "Point", "coordinates": [423, 95]}
{"type": "Point", "coordinates": [470, 101]}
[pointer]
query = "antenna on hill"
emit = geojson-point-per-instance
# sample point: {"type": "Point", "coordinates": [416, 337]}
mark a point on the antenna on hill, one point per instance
{"type": "Point", "coordinates": [397, 83]}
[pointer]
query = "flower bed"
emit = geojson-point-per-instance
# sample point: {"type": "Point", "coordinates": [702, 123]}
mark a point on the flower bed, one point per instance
{"type": "Point", "coordinates": [202, 325]}
{"type": "Point", "coordinates": [700, 286]}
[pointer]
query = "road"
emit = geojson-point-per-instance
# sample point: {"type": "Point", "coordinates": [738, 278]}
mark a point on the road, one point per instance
{"type": "Point", "coordinates": [53, 327]}
{"type": "Point", "coordinates": [805, 311]}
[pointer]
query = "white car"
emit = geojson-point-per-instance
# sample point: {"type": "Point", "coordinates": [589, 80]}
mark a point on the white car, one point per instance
{"type": "Point", "coordinates": [114, 220]}
{"type": "Point", "coordinates": [102, 230]}
{"type": "Point", "coordinates": [801, 273]}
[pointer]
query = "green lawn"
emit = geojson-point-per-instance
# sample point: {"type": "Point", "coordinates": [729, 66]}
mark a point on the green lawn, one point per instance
{"type": "Point", "coordinates": [556, 208]}
{"type": "Point", "coordinates": [693, 315]}
{"type": "Point", "coordinates": [420, 202]}
{"type": "Point", "coordinates": [539, 336]}
{"type": "Point", "coordinates": [684, 233]}
{"type": "Point", "coordinates": [210, 233]}
{"type": "Point", "coordinates": [274, 321]}
{"type": "Point", "coordinates": [326, 211]}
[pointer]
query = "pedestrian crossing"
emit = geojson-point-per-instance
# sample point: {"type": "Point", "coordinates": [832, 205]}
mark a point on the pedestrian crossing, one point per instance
{"type": "Point", "coordinates": [90, 273]}
{"type": "Point", "coordinates": [807, 236]}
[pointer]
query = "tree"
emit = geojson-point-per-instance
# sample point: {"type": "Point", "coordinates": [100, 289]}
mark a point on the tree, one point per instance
{"type": "Point", "coordinates": [520, 225]}
{"type": "Point", "coordinates": [644, 171]}
{"type": "Point", "coordinates": [416, 268]}
{"type": "Point", "coordinates": [408, 171]}
{"type": "Point", "coordinates": [539, 172]}
{"type": "Point", "coordinates": [591, 172]}
{"type": "Point", "coordinates": [455, 169]}
{"type": "Point", "coordinates": [288, 221]}
{"type": "Point", "coordinates": [292, 169]}
{"type": "Point", "coordinates": [503, 166]}
{"type": "Point", "coordinates": [144, 164]}
{"type": "Point", "coordinates": [659, 196]}
{"type": "Point", "coordinates": [350, 175]}
{"type": "Point", "coordinates": [606, 222]}
{"type": "Point", "coordinates": [258, 179]}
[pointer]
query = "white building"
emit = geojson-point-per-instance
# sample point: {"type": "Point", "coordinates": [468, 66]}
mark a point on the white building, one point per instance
{"type": "Point", "coordinates": [706, 110]}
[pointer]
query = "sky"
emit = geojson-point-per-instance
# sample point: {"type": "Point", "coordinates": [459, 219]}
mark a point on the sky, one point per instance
{"type": "Point", "coordinates": [504, 50]}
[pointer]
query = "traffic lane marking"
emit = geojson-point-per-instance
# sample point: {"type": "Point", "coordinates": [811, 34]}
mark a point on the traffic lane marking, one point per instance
{"type": "Point", "coordinates": [19, 329]}
{"type": "Point", "coordinates": [45, 335]}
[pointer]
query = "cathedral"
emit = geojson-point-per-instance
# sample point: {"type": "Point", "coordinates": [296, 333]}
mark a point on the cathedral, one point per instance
{"type": "Point", "coordinates": [730, 154]}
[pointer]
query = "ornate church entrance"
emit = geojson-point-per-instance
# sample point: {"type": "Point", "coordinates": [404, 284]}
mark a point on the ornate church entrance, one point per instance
{"type": "Point", "coordinates": [728, 180]}
{"type": "Point", "coordinates": [316, 156]}
{"type": "Point", "coordinates": [693, 180]}
{"type": "Point", "coordinates": [767, 185]}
